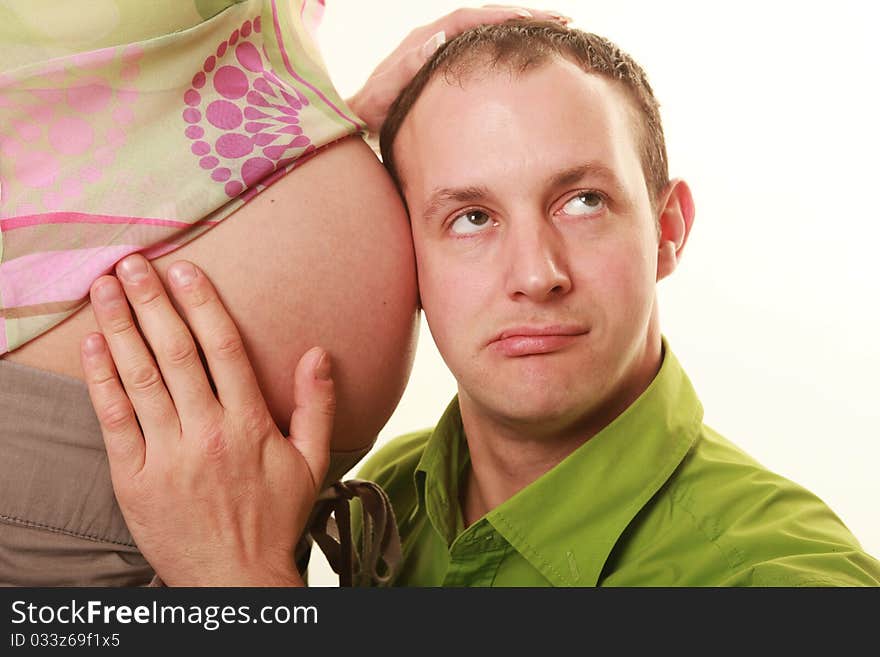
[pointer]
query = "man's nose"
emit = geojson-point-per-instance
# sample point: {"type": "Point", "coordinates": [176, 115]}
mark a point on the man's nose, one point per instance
{"type": "Point", "coordinates": [537, 262]}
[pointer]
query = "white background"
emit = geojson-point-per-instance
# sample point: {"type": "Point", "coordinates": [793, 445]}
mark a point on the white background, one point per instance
{"type": "Point", "coordinates": [771, 114]}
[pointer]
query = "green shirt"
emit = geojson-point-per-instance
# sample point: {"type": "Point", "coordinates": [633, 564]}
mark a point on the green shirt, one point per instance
{"type": "Point", "coordinates": [656, 498]}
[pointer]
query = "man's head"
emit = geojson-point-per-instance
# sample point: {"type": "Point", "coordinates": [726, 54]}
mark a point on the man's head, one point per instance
{"type": "Point", "coordinates": [532, 162]}
{"type": "Point", "coordinates": [520, 46]}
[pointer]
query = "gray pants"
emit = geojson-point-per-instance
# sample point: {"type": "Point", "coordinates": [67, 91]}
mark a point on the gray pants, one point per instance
{"type": "Point", "coordinates": [59, 521]}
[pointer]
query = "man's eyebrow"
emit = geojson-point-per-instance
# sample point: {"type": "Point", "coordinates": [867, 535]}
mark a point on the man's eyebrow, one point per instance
{"type": "Point", "coordinates": [444, 195]}
{"type": "Point", "coordinates": [573, 175]}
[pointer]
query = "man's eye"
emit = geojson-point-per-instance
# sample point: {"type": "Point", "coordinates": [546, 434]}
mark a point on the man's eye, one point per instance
{"type": "Point", "coordinates": [585, 203]}
{"type": "Point", "coordinates": [472, 221]}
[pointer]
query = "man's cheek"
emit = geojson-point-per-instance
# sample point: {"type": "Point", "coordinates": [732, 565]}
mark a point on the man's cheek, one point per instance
{"type": "Point", "coordinates": [617, 285]}
{"type": "Point", "coordinates": [455, 306]}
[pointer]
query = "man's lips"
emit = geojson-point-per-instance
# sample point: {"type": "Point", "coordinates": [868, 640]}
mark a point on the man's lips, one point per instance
{"type": "Point", "coordinates": [532, 340]}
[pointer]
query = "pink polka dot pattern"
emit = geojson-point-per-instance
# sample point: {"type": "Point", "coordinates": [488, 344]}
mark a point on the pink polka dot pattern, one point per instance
{"type": "Point", "coordinates": [90, 174]}
{"type": "Point", "coordinates": [249, 56]}
{"type": "Point", "coordinates": [123, 115]}
{"type": "Point", "coordinates": [36, 169]}
{"type": "Point", "coordinates": [28, 130]}
{"type": "Point", "coordinates": [70, 129]}
{"type": "Point", "coordinates": [233, 188]}
{"type": "Point", "coordinates": [242, 119]}
{"type": "Point", "coordinates": [130, 73]}
{"type": "Point", "coordinates": [89, 97]}
{"type": "Point", "coordinates": [255, 169]}
{"type": "Point", "coordinates": [231, 82]}
{"type": "Point", "coordinates": [234, 145]}
{"type": "Point", "coordinates": [224, 115]}
{"type": "Point", "coordinates": [70, 135]}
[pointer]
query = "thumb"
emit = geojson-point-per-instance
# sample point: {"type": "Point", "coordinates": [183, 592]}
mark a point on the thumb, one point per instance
{"type": "Point", "coordinates": [311, 424]}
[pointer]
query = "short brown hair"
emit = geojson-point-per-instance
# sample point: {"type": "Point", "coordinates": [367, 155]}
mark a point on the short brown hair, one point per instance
{"type": "Point", "coordinates": [522, 45]}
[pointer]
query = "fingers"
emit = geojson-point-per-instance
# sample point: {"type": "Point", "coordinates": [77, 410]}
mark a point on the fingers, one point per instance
{"type": "Point", "coordinates": [221, 342]}
{"type": "Point", "coordinates": [430, 46]}
{"type": "Point", "coordinates": [461, 20]}
{"type": "Point", "coordinates": [311, 424]}
{"type": "Point", "coordinates": [537, 14]}
{"type": "Point", "coordinates": [137, 369]}
{"type": "Point", "coordinates": [450, 26]}
{"type": "Point", "coordinates": [464, 19]}
{"type": "Point", "coordinates": [371, 103]}
{"type": "Point", "coordinates": [122, 436]}
{"type": "Point", "coordinates": [170, 341]}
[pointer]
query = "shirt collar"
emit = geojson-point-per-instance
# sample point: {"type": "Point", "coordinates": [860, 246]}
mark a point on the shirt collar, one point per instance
{"type": "Point", "coordinates": [566, 522]}
{"type": "Point", "coordinates": [439, 473]}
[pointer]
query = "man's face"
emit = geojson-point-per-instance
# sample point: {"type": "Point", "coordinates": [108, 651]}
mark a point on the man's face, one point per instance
{"type": "Point", "coordinates": [535, 242]}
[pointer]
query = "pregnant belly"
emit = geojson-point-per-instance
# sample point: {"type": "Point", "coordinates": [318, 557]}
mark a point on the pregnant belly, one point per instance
{"type": "Point", "coordinates": [322, 257]}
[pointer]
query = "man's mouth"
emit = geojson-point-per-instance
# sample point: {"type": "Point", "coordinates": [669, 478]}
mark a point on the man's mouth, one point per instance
{"type": "Point", "coordinates": [534, 340]}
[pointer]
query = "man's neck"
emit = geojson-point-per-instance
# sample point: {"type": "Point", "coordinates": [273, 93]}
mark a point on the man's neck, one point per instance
{"type": "Point", "coordinates": [508, 456]}
{"type": "Point", "coordinates": [504, 461]}
{"type": "Point", "coordinates": [501, 468]}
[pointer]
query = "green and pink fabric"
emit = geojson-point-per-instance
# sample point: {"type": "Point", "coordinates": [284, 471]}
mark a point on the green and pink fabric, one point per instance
{"type": "Point", "coordinates": [135, 126]}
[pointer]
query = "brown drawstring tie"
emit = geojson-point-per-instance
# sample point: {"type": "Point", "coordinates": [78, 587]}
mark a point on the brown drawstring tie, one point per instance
{"type": "Point", "coordinates": [380, 543]}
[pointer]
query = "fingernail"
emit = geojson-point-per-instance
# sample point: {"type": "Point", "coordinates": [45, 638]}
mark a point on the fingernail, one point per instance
{"type": "Point", "coordinates": [132, 269]}
{"type": "Point", "coordinates": [523, 13]}
{"type": "Point", "coordinates": [106, 292]}
{"type": "Point", "coordinates": [182, 273]}
{"type": "Point", "coordinates": [93, 344]}
{"type": "Point", "coordinates": [433, 43]}
{"type": "Point", "coordinates": [322, 369]}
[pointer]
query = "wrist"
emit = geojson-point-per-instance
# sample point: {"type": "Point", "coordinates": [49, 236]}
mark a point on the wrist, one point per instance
{"type": "Point", "coordinates": [269, 578]}
{"type": "Point", "coordinates": [238, 576]}
{"type": "Point", "coordinates": [360, 106]}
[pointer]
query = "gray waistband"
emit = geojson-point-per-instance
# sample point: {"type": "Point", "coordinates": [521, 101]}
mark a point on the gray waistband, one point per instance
{"type": "Point", "coordinates": [53, 467]}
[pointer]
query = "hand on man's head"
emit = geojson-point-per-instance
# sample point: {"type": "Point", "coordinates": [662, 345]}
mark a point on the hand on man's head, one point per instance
{"type": "Point", "coordinates": [385, 83]}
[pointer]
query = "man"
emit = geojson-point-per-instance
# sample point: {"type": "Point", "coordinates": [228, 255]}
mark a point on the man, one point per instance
{"type": "Point", "coordinates": [532, 163]}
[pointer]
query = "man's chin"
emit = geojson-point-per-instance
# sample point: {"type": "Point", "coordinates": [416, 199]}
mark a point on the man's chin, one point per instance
{"type": "Point", "coordinates": [539, 409]}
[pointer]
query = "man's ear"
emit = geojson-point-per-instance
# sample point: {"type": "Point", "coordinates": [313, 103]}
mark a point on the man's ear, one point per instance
{"type": "Point", "coordinates": [676, 219]}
